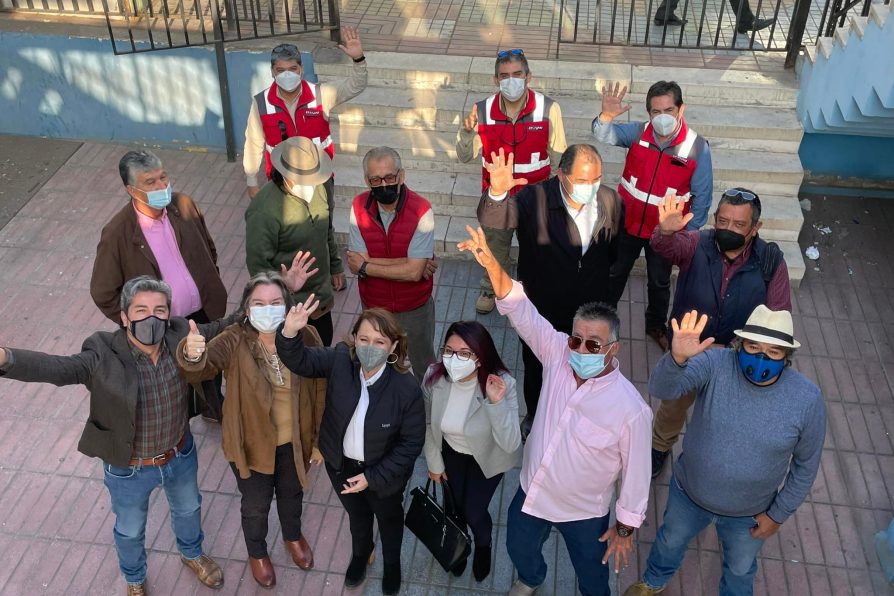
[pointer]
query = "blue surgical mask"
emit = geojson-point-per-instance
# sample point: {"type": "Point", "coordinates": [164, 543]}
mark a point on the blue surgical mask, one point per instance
{"type": "Point", "coordinates": [587, 366]}
{"type": "Point", "coordinates": [759, 368]}
{"type": "Point", "coordinates": [267, 318]}
{"type": "Point", "coordinates": [159, 199]}
{"type": "Point", "coordinates": [583, 194]}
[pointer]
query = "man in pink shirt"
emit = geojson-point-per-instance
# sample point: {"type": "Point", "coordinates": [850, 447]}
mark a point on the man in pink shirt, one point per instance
{"type": "Point", "coordinates": [592, 428]}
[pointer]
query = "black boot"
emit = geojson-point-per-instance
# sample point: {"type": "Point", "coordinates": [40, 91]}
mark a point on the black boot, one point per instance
{"type": "Point", "coordinates": [391, 579]}
{"type": "Point", "coordinates": [481, 562]}
{"type": "Point", "coordinates": [460, 567]}
{"type": "Point", "coordinates": [356, 572]}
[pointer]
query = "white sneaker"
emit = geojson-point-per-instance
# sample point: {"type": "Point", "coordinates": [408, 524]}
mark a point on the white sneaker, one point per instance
{"type": "Point", "coordinates": [520, 588]}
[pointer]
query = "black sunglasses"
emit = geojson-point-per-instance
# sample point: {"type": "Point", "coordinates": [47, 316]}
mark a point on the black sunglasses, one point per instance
{"type": "Point", "coordinates": [593, 346]}
{"type": "Point", "coordinates": [743, 194]}
{"type": "Point", "coordinates": [507, 53]}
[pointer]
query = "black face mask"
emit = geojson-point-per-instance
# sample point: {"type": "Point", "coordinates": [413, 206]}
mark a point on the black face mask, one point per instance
{"type": "Point", "coordinates": [728, 240]}
{"type": "Point", "coordinates": [385, 194]}
{"type": "Point", "coordinates": [149, 331]}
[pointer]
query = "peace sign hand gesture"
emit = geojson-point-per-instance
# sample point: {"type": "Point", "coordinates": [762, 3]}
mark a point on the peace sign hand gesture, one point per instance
{"type": "Point", "coordinates": [297, 317]}
{"type": "Point", "coordinates": [612, 98]}
{"type": "Point", "coordinates": [670, 215]}
{"type": "Point", "coordinates": [500, 169]}
{"type": "Point", "coordinates": [687, 334]}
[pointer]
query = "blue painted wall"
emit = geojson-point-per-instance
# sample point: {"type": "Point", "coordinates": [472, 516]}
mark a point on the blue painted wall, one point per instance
{"type": "Point", "coordinates": [847, 156]}
{"type": "Point", "coordinates": [72, 87]}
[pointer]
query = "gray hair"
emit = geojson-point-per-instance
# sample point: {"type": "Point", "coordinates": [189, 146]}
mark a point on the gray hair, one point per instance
{"type": "Point", "coordinates": [600, 311]}
{"type": "Point", "coordinates": [377, 153]}
{"type": "Point", "coordinates": [143, 283]}
{"type": "Point", "coordinates": [263, 278]}
{"type": "Point", "coordinates": [284, 51]}
{"type": "Point", "coordinates": [135, 162]}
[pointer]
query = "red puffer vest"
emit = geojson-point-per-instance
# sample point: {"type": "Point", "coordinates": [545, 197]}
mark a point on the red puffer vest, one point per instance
{"type": "Point", "coordinates": [310, 121]}
{"type": "Point", "coordinates": [394, 296]}
{"type": "Point", "coordinates": [527, 139]}
{"type": "Point", "coordinates": [650, 173]}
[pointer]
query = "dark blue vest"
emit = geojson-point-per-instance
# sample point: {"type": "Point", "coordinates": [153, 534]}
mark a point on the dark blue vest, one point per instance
{"type": "Point", "coordinates": [698, 288]}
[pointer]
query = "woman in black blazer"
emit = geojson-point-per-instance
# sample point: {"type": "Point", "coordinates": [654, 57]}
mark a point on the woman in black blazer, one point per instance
{"type": "Point", "coordinates": [372, 431]}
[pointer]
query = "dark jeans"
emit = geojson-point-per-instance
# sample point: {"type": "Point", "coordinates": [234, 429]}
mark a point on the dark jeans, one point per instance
{"type": "Point", "coordinates": [746, 18]}
{"type": "Point", "coordinates": [472, 492]}
{"type": "Point", "coordinates": [323, 325]}
{"type": "Point", "coordinates": [658, 272]}
{"type": "Point", "coordinates": [362, 507]}
{"type": "Point", "coordinates": [257, 494]}
{"type": "Point", "coordinates": [533, 378]}
{"type": "Point", "coordinates": [525, 535]}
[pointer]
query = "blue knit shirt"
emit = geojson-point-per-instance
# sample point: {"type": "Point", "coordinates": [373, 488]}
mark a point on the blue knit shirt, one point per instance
{"type": "Point", "coordinates": [744, 441]}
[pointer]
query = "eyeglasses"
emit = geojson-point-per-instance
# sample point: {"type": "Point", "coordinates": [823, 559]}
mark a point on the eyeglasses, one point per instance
{"type": "Point", "coordinates": [507, 53]}
{"type": "Point", "coordinates": [387, 179]}
{"type": "Point", "coordinates": [461, 354]}
{"type": "Point", "coordinates": [593, 346]}
{"type": "Point", "coordinates": [743, 194]}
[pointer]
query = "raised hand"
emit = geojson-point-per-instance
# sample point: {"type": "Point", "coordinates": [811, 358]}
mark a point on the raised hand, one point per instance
{"type": "Point", "coordinates": [500, 169]}
{"type": "Point", "coordinates": [300, 270]}
{"type": "Point", "coordinates": [195, 343]}
{"type": "Point", "coordinates": [296, 318]}
{"type": "Point", "coordinates": [351, 45]}
{"type": "Point", "coordinates": [477, 245]}
{"type": "Point", "coordinates": [495, 388]}
{"type": "Point", "coordinates": [687, 337]}
{"type": "Point", "coordinates": [470, 122]}
{"type": "Point", "coordinates": [670, 215]}
{"type": "Point", "coordinates": [612, 98]}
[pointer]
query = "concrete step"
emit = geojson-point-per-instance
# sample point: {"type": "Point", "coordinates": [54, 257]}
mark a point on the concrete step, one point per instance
{"type": "Point", "coordinates": [444, 110]}
{"type": "Point", "coordinates": [389, 69]}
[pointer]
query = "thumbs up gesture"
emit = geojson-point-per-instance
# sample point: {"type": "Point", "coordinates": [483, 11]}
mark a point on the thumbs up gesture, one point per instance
{"type": "Point", "coordinates": [194, 348]}
{"type": "Point", "coordinates": [470, 122]}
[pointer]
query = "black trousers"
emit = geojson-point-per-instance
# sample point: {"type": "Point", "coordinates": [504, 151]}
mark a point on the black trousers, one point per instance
{"type": "Point", "coordinates": [257, 494]}
{"type": "Point", "coordinates": [667, 8]}
{"type": "Point", "coordinates": [658, 272]}
{"type": "Point", "coordinates": [534, 368]}
{"type": "Point", "coordinates": [362, 507]}
{"type": "Point", "coordinates": [323, 325]}
{"type": "Point", "coordinates": [472, 492]}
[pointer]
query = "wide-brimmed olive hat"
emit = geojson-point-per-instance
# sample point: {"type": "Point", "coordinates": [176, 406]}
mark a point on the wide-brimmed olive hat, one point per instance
{"type": "Point", "coordinates": [301, 161]}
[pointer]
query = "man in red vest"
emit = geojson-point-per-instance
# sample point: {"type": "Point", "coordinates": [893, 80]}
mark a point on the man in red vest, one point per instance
{"type": "Point", "coordinates": [522, 122]}
{"type": "Point", "coordinates": [392, 238]}
{"type": "Point", "coordinates": [665, 157]}
{"type": "Point", "coordinates": [293, 107]}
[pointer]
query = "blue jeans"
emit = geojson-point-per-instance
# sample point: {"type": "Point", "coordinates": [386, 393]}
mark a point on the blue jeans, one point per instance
{"type": "Point", "coordinates": [683, 520]}
{"type": "Point", "coordinates": [130, 489]}
{"type": "Point", "coordinates": [526, 534]}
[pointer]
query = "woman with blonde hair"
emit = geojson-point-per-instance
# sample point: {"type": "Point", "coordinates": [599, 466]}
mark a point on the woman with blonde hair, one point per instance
{"type": "Point", "coordinates": [372, 431]}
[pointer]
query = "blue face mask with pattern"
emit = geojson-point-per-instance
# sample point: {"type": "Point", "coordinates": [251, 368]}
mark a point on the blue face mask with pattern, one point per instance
{"type": "Point", "coordinates": [759, 368]}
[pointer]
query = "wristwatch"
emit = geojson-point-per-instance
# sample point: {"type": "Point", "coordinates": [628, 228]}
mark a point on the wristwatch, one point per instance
{"type": "Point", "coordinates": [359, 60]}
{"type": "Point", "coordinates": [623, 530]}
{"type": "Point", "coordinates": [361, 273]}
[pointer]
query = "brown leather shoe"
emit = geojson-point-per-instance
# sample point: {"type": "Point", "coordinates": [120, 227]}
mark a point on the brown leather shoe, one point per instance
{"type": "Point", "coordinates": [208, 572]}
{"type": "Point", "coordinates": [137, 589]}
{"type": "Point", "coordinates": [301, 553]}
{"type": "Point", "coordinates": [660, 337]}
{"type": "Point", "coordinates": [262, 571]}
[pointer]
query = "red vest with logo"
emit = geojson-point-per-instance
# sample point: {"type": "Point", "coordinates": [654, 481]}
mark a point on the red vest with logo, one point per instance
{"type": "Point", "coordinates": [310, 121]}
{"type": "Point", "coordinates": [527, 139]}
{"type": "Point", "coordinates": [394, 296]}
{"type": "Point", "coordinates": [650, 173]}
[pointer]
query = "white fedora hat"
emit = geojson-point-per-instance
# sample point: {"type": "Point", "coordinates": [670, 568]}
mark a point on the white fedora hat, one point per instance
{"type": "Point", "coordinates": [769, 327]}
{"type": "Point", "coordinates": [301, 161]}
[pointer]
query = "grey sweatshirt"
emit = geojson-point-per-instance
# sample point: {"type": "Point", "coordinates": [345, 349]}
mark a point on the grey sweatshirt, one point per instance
{"type": "Point", "coordinates": [743, 440]}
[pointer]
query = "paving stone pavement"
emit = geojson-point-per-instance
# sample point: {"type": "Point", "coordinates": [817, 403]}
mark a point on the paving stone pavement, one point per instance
{"type": "Point", "coordinates": [55, 519]}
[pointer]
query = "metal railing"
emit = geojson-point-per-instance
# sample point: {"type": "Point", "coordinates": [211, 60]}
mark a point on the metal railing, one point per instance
{"type": "Point", "coordinates": [835, 14]}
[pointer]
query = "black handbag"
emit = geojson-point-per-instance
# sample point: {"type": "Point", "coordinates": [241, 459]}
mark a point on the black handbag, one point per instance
{"type": "Point", "coordinates": [435, 528]}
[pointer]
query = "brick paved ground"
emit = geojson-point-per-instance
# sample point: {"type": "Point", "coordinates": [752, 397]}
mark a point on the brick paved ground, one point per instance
{"type": "Point", "coordinates": [56, 532]}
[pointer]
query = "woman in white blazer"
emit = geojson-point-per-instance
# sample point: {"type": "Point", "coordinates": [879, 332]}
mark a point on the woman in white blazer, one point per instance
{"type": "Point", "coordinates": [472, 434]}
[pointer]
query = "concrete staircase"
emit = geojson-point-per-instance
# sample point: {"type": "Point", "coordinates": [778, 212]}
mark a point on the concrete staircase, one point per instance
{"type": "Point", "coordinates": [748, 117]}
{"type": "Point", "coordinates": [847, 81]}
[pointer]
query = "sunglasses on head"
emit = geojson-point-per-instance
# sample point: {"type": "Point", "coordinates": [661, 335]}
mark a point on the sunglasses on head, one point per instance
{"type": "Point", "coordinates": [507, 53]}
{"type": "Point", "coordinates": [743, 194]}
{"type": "Point", "coordinates": [593, 346]}
{"type": "Point", "coordinates": [286, 47]}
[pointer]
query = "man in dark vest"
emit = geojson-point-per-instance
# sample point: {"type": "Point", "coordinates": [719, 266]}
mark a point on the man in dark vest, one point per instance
{"type": "Point", "coordinates": [665, 157]}
{"type": "Point", "coordinates": [521, 121]}
{"type": "Point", "coordinates": [292, 107]}
{"type": "Point", "coordinates": [724, 273]}
{"type": "Point", "coordinates": [392, 238]}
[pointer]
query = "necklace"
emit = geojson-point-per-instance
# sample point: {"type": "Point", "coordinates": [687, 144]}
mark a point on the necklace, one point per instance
{"type": "Point", "coordinates": [274, 362]}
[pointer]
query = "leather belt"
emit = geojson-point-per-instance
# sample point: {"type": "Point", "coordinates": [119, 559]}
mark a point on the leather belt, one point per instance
{"type": "Point", "coordinates": [162, 459]}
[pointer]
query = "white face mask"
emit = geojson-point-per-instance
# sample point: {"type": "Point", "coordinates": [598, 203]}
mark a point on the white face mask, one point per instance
{"type": "Point", "coordinates": [584, 194]}
{"type": "Point", "coordinates": [303, 191]}
{"type": "Point", "coordinates": [288, 80]}
{"type": "Point", "coordinates": [458, 369]}
{"type": "Point", "coordinates": [267, 318]}
{"type": "Point", "coordinates": [512, 88]}
{"type": "Point", "coordinates": [664, 124]}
